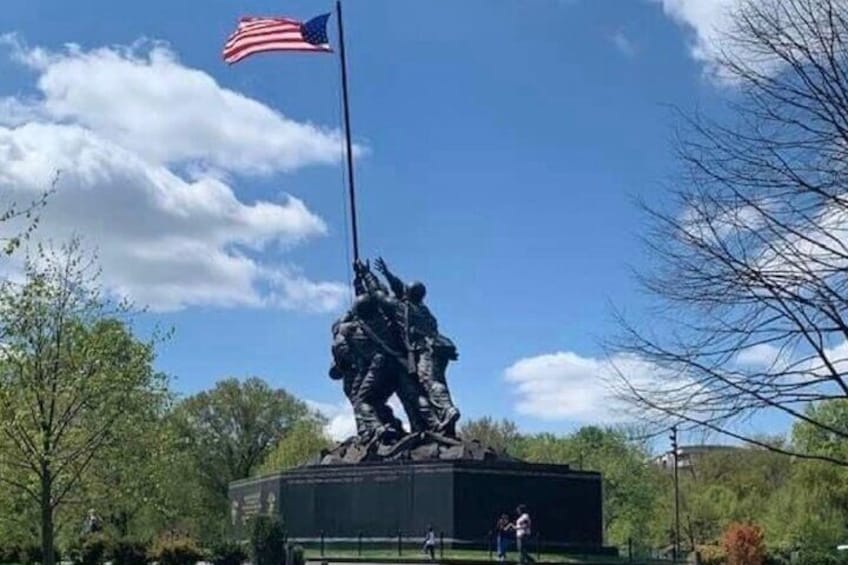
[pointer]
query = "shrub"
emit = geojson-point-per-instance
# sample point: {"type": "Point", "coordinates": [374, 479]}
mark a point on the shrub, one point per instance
{"type": "Point", "coordinates": [779, 557]}
{"type": "Point", "coordinates": [228, 553]}
{"type": "Point", "coordinates": [712, 554]}
{"type": "Point", "coordinates": [10, 554]}
{"type": "Point", "coordinates": [90, 549]}
{"type": "Point", "coordinates": [744, 544]}
{"type": "Point", "coordinates": [128, 552]}
{"type": "Point", "coordinates": [267, 541]}
{"type": "Point", "coordinates": [297, 557]}
{"type": "Point", "coordinates": [176, 549]}
{"type": "Point", "coordinates": [820, 557]}
{"type": "Point", "coordinates": [30, 554]}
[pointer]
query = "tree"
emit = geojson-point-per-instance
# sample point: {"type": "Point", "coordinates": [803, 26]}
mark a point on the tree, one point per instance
{"type": "Point", "coordinates": [813, 510]}
{"type": "Point", "coordinates": [732, 485]}
{"type": "Point", "coordinates": [502, 436]}
{"type": "Point", "coordinates": [20, 222]}
{"type": "Point", "coordinates": [127, 481]}
{"type": "Point", "coordinates": [70, 370]}
{"type": "Point", "coordinates": [305, 441]}
{"type": "Point", "coordinates": [228, 432]}
{"type": "Point", "coordinates": [744, 544]}
{"type": "Point", "coordinates": [750, 279]}
{"type": "Point", "coordinates": [631, 486]}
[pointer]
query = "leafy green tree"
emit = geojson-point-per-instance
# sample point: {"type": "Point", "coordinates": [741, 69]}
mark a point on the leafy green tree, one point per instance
{"type": "Point", "coordinates": [502, 435]}
{"type": "Point", "coordinates": [305, 440]}
{"type": "Point", "coordinates": [227, 433]}
{"type": "Point", "coordinates": [813, 510]}
{"type": "Point", "coordinates": [71, 370]}
{"type": "Point", "coordinates": [631, 485]}
{"type": "Point", "coordinates": [127, 481]}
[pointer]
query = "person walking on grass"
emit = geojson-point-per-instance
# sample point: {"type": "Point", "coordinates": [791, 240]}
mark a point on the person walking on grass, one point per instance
{"type": "Point", "coordinates": [430, 543]}
{"type": "Point", "coordinates": [502, 529]}
{"type": "Point", "coordinates": [522, 534]}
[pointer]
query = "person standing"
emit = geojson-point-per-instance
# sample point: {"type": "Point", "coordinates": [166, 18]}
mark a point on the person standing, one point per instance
{"type": "Point", "coordinates": [430, 543]}
{"type": "Point", "coordinates": [92, 523]}
{"type": "Point", "coordinates": [522, 534]}
{"type": "Point", "coordinates": [502, 529]}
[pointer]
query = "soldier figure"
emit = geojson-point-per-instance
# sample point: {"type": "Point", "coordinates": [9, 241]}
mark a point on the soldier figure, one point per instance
{"type": "Point", "coordinates": [389, 343]}
{"type": "Point", "coordinates": [367, 370]}
{"type": "Point", "coordinates": [428, 351]}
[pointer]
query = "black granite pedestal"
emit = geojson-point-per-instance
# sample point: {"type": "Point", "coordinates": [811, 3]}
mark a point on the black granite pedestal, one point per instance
{"type": "Point", "coordinates": [460, 499]}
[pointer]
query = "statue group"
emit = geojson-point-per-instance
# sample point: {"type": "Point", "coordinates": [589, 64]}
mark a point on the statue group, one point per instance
{"type": "Point", "coordinates": [388, 344]}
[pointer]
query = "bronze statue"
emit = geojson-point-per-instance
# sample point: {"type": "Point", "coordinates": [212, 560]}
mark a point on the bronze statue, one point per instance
{"type": "Point", "coordinates": [389, 343]}
{"type": "Point", "coordinates": [429, 352]}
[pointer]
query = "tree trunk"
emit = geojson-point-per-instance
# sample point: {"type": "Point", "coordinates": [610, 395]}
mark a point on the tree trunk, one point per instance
{"type": "Point", "coordinates": [48, 556]}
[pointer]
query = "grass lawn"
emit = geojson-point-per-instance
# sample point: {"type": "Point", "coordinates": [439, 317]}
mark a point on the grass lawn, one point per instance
{"type": "Point", "coordinates": [459, 554]}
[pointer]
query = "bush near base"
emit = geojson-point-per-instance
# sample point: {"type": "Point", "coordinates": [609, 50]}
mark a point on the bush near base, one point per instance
{"type": "Point", "coordinates": [227, 553]}
{"type": "Point", "coordinates": [267, 541]}
{"type": "Point", "coordinates": [176, 549]}
{"type": "Point", "coordinates": [127, 552]}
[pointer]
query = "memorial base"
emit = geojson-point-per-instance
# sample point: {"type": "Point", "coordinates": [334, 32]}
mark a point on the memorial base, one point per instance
{"type": "Point", "coordinates": [375, 503]}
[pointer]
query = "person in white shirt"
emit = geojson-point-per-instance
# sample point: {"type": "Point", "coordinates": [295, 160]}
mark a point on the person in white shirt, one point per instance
{"type": "Point", "coordinates": [430, 543]}
{"type": "Point", "coordinates": [522, 534]}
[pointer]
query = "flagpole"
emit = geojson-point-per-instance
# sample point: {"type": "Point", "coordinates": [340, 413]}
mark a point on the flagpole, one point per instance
{"type": "Point", "coordinates": [348, 144]}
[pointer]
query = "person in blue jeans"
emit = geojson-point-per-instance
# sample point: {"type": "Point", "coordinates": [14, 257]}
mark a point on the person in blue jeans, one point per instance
{"type": "Point", "coordinates": [502, 529]}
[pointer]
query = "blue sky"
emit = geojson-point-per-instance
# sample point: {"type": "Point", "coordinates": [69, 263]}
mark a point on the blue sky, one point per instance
{"type": "Point", "coordinates": [502, 145]}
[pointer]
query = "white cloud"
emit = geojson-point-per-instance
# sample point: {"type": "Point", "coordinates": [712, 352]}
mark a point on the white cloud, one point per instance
{"type": "Point", "coordinates": [341, 423]}
{"type": "Point", "coordinates": [712, 22]}
{"type": "Point", "coordinates": [116, 123]}
{"type": "Point", "coordinates": [760, 355]}
{"type": "Point", "coordinates": [623, 43]}
{"type": "Point", "coordinates": [708, 20]}
{"type": "Point", "coordinates": [567, 386]}
{"type": "Point", "coordinates": [164, 241]}
{"type": "Point", "coordinates": [143, 99]}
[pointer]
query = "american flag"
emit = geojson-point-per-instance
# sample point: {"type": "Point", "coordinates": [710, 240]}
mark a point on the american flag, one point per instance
{"type": "Point", "coordinates": [258, 35]}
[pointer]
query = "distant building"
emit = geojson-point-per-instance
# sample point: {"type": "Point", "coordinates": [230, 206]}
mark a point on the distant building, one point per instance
{"type": "Point", "coordinates": [687, 455]}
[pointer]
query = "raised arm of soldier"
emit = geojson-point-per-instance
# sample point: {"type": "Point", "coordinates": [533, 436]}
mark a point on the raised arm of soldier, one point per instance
{"type": "Point", "coordinates": [397, 285]}
{"type": "Point", "coordinates": [366, 282]}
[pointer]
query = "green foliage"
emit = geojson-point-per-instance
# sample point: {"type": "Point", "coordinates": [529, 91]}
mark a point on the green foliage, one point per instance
{"type": "Point", "coordinates": [10, 554]}
{"type": "Point", "coordinates": [267, 541]}
{"type": "Point", "coordinates": [71, 372]}
{"type": "Point", "coordinates": [819, 557]}
{"type": "Point", "coordinates": [501, 435]}
{"type": "Point", "coordinates": [176, 549]}
{"type": "Point", "coordinates": [227, 553]}
{"type": "Point", "coordinates": [711, 554]}
{"type": "Point", "coordinates": [632, 488]}
{"type": "Point", "coordinates": [304, 441]}
{"type": "Point", "coordinates": [296, 556]}
{"type": "Point", "coordinates": [744, 544]}
{"type": "Point", "coordinates": [91, 549]}
{"type": "Point", "coordinates": [226, 433]}
{"type": "Point", "coordinates": [127, 552]}
{"type": "Point", "coordinates": [31, 553]}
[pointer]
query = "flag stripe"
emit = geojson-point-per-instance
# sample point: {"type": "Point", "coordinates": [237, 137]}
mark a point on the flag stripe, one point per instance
{"type": "Point", "coordinates": [272, 47]}
{"type": "Point", "coordinates": [242, 51]}
{"type": "Point", "coordinates": [260, 26]}
{"type": "Point", "coordinates": [267, 36]}
{"type": "Point", "coordinates": [292, 42]}
{"type": "Point", "coordinates": [265, 33]}
{"type": "Point", "coordinates": [250, 20]}
{"type": "Point", "coordinates": [257, 35]}
{"type": "Point", "coordinates": [267, 27]}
